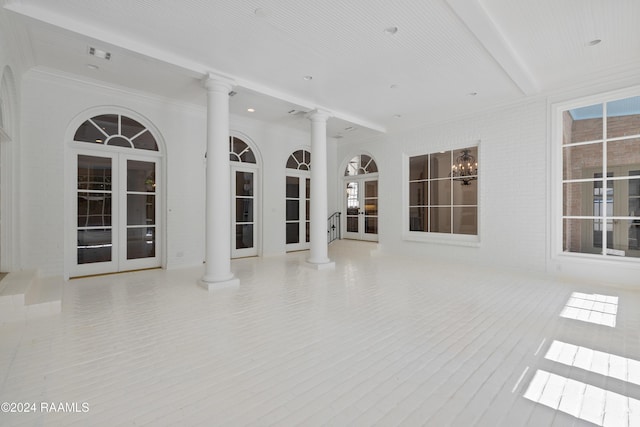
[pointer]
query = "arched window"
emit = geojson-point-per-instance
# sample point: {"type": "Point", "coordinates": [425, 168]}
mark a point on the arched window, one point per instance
{"type": "Point", "coordinates": [300, 160]}
{"type": "Point", "coordinates": [239, 151]}
{"type": "Point", "coordinates": [116, 130]}
{"type": "Point", "coordinates": [361, 164]}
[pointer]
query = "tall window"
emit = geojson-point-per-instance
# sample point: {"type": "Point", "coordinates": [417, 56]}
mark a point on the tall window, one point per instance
{"type": "Point", "coordinates": [601, 179]}
{"type": "Point", "coordinates": [244, 186]}
{"type": "Point", "coordinates": [443, 192]}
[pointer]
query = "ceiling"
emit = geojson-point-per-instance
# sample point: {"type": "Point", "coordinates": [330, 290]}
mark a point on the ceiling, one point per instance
{"type": "Point", "coordinates": [447, 57]}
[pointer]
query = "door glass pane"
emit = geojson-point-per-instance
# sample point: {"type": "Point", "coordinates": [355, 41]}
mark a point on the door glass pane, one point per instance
{"type": "Point", "coordinates": [293, 210]}
{"type": "Point", "coordinates": [371, 206]}
{"type": "Point", "coordinates": [353, 204]}
{"type": "Point", "coordinates": [293, 232]}
{"type": "Point", "coordinates": [94, 173]}
{"type": "Point", "coordinates": [371, 189]}
{"type": "Point", "coordinates": [352, 224]}
{"type": "Point", "coordinates": [308, 232]}
{"type": "Point", "coordinates": [371, 225]}
{"type": "Point", "coordinates": [244, 183]}
{"type": "Point", "coordinates": [293, 187]}
{"type": "Point", "coordinates": [94, 245]}
{"type": "Point", "coordinates": [141, 242]}
{"type": "Point", "coordinates": [308, 187]}
{"type": "Point", "coordinates": [141, 176]}
{"type": "Point", "coordinates": [244, 236]}
{"type": "Point", "coordinates": [141, 209]}
{"type": "Point", "coordinates": [244, 209]}
{"type": "Point", "coordinates": [94, 209]}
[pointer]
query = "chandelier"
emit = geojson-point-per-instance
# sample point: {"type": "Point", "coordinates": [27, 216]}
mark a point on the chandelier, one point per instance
{"type": "Point", "coordinates": [465, 168]}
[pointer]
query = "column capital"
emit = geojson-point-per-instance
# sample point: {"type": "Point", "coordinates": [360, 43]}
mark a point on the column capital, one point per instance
{"type": "Point", "coordinates": [318, 115]}
{"type": "Point", "coordinates": [218, 82]}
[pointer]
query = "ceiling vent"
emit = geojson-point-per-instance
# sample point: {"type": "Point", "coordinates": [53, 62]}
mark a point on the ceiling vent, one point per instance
{"type": "Point", "coordinates": [233, 93]}
{"type": "Point", "coordinates": [295, 112]}
{"type": "Point", "coordinates": [99, 53]}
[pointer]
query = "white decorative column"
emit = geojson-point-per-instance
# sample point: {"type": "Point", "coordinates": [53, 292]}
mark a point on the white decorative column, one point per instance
{"type": "Point", "coordinates": [318, 257]}
{"type": "Point", "coordinates": [218, 187]}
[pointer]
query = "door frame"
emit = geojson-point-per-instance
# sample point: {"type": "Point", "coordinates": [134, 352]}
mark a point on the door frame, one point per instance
{"type": "Point", "coordinates": [360, 180]}
{"type": "Point", "coordinates": [257, 211]}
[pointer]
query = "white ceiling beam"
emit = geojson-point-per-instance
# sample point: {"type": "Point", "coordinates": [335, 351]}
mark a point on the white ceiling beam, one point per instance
{"type": "Point", "coordinates": [479, 22]}
{"type": "Point", "coordinates": [195, 68]}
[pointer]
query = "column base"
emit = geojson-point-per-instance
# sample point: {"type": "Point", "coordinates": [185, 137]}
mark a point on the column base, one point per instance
{"type": "Point", "coordinates": [329, 265]}
{"type": "Point", "coordinates": [214, 286]}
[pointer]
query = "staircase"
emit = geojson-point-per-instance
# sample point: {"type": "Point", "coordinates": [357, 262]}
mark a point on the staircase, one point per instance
{"type": "Point", "coordinates": [24, 296]}
{"type": "Point", "coordinates": [333, 227]}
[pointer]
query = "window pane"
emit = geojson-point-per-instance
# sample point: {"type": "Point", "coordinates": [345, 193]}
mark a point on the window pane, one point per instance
{"type": "Point", "coordinates": [418, 193]}
{"type": "Point", "coordinates": [293, 187]}
{"type": "Point", "coordinates": [94, 245]}
{"type": "Point", "coordinates": [581, 161]}
{"type": "Point", "coordinates": [88, 132]}
{"type": "Point", "coordinates": [244, 236]}
{"type": "Point", "coordinates": [145, 141]}
{"type": "Point", "coordinates": [141, 176]}
{"type": "Point", "coordinates": [291, 163]}
{"type": "Point", "coordinates": [293, 210]}
{"type": "Point", "coordinates": [94, 209]}
{"type": "Point", "coordinates": [419, 219]}
{"type": "Point", "coordinates": [579, 235]}
{"type": "Point", "coordinates": [244, 209]}
{"type": "Point", "coordinates": [633, 236]}
{"type": "Point", "coordinates": [583, 124]}
{"type": "Point", "coordinates": [293, 232]}
{"type": "Point", "coordinates": [440, 192]}
{"type": "Point", "coordinates": [141, 209]}
{"type": "Point", "coordinates": [623, 117]}
{"type": "Point", "coordinates": [418, 167]}
{"type": "Point", "coordinates": [623, 153]}
{"type": "Point", "coordinates": [94, 173]}
{"type": "Point", "coordinates": [141, 242]}
{"type": "Point", "coordinates": [248, 157]}
{"type": "Point", "coordinates": [108, 123]}
{"type": "Point", "coordinates": [576, 196]}
{"type": "Point", "coordinates": [299, 155]}
{"type": "Point", "coordinates": [465, 220]}
{"type": "Point", "coordinates": [244, 183]}
{"type": "Point", "coordinates": [440, 220]}
{"type": "Point", "coordinates": [465, 194]}
{"type": "Point", "coordinates": [118, 141]}
{"type": "Point", "coordinates": [440, 164]}
{"type": "Point", "coordinates": [130, 127]}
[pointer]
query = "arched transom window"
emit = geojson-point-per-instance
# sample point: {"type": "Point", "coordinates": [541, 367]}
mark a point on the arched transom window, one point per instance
{"type": "Point", "coordinates": [116, 130]}
{"type": "Point", "coordinates": [239, 151]}
{"type": "Point", "coordinates": [361, 164]}
{"type": "Point", "coordinates": [300, 160]}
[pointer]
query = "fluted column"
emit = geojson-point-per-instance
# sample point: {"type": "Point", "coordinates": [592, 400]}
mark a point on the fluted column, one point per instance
{"type": "Point", "coordinates": [218, 187]}
{"type": "Point", "coordinates": [318, 257]}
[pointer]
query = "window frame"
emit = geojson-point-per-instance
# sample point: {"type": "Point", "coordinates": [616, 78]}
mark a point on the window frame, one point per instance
{"type": "Point", "coordinates": [470, 240]}
{"type": "Point", "coordinates": [556, 157]}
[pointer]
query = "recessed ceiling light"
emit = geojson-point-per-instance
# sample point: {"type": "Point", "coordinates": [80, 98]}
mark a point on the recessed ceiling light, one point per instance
{"type": "Point", "coordinates": [92, 67]}
{"type": "Point", "coordinates": [472, 93]}
{"type": "Point", "coordinates": [391, 30]}
{"type": "Point", "coordinates": [99, 53]}
{"type": "Point", "coordinates": [594, 42]}
{"type": "Point", "coordinates": [251, 110]}
{"type": "Point", "coordinates": [99, 140]}
{"type": "Point", "coordinates": [307, 78]}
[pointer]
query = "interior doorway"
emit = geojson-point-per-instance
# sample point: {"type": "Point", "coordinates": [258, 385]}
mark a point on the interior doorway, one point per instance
{"type": "Point", "coordinates": [360, 207]}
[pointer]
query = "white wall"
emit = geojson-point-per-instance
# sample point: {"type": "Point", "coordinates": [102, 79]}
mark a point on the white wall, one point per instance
{"type": "Point", "coordinates": [51, 101]}
{"type": "Point", "coordinates": [515, 188]}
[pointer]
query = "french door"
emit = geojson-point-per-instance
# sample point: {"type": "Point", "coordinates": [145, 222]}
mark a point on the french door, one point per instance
{"type": "Point", "coordinates": [361, 208]}
{"type": "Point", "coordinates": [298, 198]}
{"type": "Point", "coordinates": [117, 212]}
{"type": "Point", "coordinates": [244, 229]}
